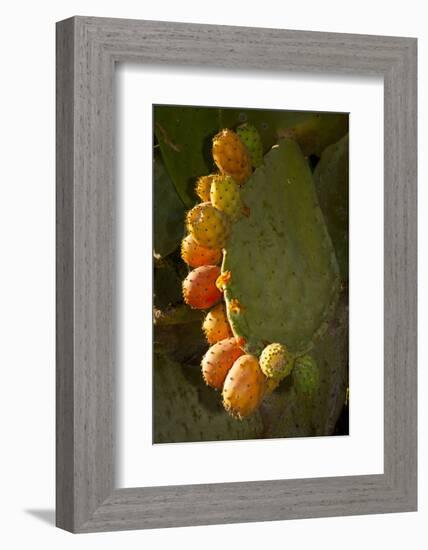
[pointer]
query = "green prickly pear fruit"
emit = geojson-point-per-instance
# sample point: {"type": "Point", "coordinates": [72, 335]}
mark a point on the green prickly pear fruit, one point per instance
{"type": "Point", "coordinates": [203, 186]}
{"type": "Point", "coordinates": [199, 288]}
{"type": "Point", "coordinates": [253, 142]}
{"type": "Point", "coordinates": [218, 360]}
{"type": "Point", "coordinates": [216, 326]}
{"type": "Point", "coordinates": [244, 387]}
{"type": "Point", "coordinates": [231, 156]}
{"type": "Point", "coordinates": [225, 196]}
{"type": "Point", "coordinates": [195, 255]}
{"type": "Point", "coordinates": [306, 376]}
{"type": "Point", "coordinates": [275, 361]}
{"type": "Point", "coordinates": [209, 226]}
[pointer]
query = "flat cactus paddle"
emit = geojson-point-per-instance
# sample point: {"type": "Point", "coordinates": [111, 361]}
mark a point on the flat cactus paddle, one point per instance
{"type": "Point", "coordinates": [283, 277]}
{"type": "Point", "coordinates": [331, 178]}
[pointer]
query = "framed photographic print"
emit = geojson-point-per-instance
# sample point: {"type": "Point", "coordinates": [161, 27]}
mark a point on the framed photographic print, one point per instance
{"type": "Point", "coordinates": [236, 274]}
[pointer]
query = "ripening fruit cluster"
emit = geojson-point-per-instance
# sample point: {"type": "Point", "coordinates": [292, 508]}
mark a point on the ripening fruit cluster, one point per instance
{"type": "Point", "coordinates": [242, 378]}
{"type": "Point", "coordinates": [209, 225]}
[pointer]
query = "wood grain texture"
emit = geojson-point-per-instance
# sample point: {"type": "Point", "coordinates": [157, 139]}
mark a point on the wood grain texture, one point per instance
{"type": "Point", "coordinates": [87, 50]}
{"type": "Point", "coordinates": [64, 277]}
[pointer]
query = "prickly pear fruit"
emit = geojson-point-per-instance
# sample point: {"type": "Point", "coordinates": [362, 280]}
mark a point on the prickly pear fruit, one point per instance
{"type": "Point", "coordinates": [306, 376]}
{"type": "Point", "coordinates": [216, 326]}
{"type": "Point", "coordinates": [218, 360]}
{"type": "Point", "coordinates": [195, 255]}
{"type": "Point", "coordinates": [244, 387]}
{"type": "Point", "coordinates": [208, 226]}
{"type": "Point", "coordinates": [231, 156]}
{"type": "Point", "coordinates": [203, 186]}
{"type": "Point", "coordinates": [253, 142]}
{"type": "Point", "coordinates": [226, 197]}
{"type": "Point", "coordinates": [275, 361]}
{"type": "Point", "coordinates": [199, 288]}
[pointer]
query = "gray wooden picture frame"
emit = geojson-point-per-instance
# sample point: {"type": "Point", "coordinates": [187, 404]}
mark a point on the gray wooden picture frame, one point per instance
{"type": "Point", "coordinates": [87, 51]}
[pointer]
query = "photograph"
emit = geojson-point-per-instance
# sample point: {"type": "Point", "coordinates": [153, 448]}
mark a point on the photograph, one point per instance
{"type": "Point", "coordinates": [250, 274]}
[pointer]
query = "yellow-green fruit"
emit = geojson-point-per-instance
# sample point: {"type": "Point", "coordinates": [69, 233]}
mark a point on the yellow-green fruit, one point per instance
{"type": "Point", "coordinates": [231, 156]}
{"type": "Point", "coordinates": [253, 141]}
{"type": "Point", "coordinates": [226, 197]}
{"type": "Point", "coordinates": [216, 325]}
{"type": "Point", "coordinates": [209, 226]}
{"type": "Point", "coordinates": [275, 361]}
{"type": "Point", "coordinates": [203, 186]}
{"type": "Point", "coordinates": [244, 387]}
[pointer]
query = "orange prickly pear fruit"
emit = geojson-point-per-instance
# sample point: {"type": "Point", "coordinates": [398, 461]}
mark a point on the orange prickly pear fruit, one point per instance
{"type": "Point", "coordinates": [231, 156]}
{"type": "Point", "coordinates": [199, 288]}
{"type": "Point", "coordinates": [218, 360]}
{"type": "Point", "coordinates": [244, 387]}
{"type": "Point", "coordinates": [195, 254]}
{"type": "Point", "coordinates": [216, 325]}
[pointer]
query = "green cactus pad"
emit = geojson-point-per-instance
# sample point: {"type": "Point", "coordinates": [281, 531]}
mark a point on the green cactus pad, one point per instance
{"type": "Point", "coordinates": [331, 179]}
{"type": "Point", "coordinates": [284, 276]}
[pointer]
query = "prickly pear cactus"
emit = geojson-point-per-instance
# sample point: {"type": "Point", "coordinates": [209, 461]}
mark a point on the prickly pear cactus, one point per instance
{"type": "Point", "coordinates": [279, 278]}
{"type": "Point", "coordinates": [283, 280]}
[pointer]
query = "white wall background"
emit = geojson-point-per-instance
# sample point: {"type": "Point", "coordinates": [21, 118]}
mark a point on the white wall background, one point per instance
{"type": "Point", "coordinates": [27, 272]}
